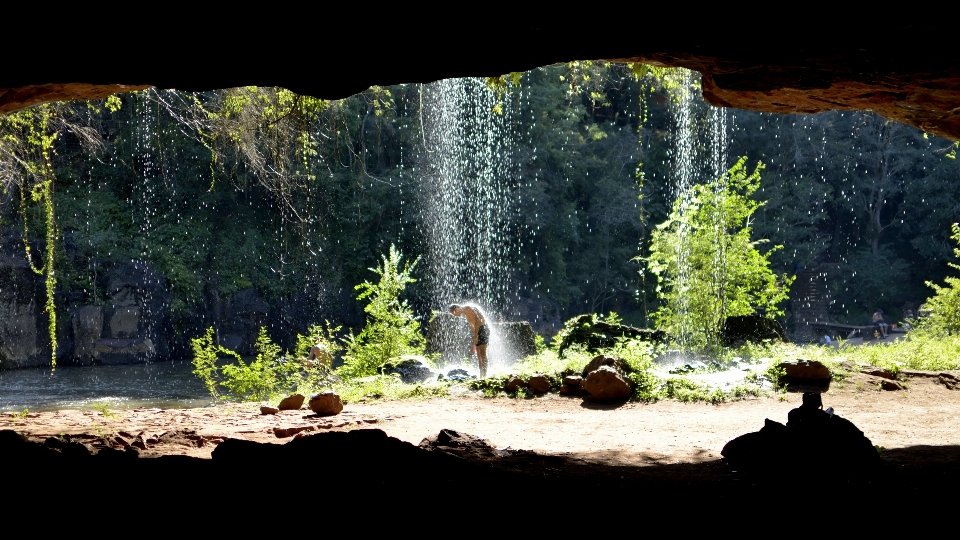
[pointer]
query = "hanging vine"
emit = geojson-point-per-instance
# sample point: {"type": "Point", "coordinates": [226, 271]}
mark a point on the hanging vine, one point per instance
{"type": "Point", "coordinates": [26, 149]}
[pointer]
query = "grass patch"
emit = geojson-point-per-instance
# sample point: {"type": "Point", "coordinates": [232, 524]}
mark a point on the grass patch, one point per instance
{"type": "Point", "coordinates": [387, 388]}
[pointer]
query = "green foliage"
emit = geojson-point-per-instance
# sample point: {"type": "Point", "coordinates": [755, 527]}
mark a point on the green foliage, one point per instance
{"type": "Point", "coordinates": [391, 328]}
{"type": "Point", "coordinates": [104, 410]}
{"type": "Point", "coordinates": [268, 375]}
{"type": "Point", "coordinates": [322, 335]}
{"type": "Point", "coordinates": [387, 388]}
{"type": "Point", "coordinates": [707, 267]}
{"type": "Point", "coordinates": [944, 305]}
{"type": "Point", "coordinates": [22, 415]}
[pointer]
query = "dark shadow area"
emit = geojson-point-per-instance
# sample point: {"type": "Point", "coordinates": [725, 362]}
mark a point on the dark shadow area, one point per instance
{"type": "Point", "coordinates": [366, 473]}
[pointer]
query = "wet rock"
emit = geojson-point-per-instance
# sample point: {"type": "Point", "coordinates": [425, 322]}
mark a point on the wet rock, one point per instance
{"type": "Point", "coordinates": [267, 409]}
{"type": "Point", "coordinates": [513, 384]}
{"type": "Point", "coordinates": [750, 329]}
{"type": "Point", "coordinates": [593, 335]}
{"type": "Point", "coordinates": [123, 351]}
{"type": "Point", "coordinates": [87, 328]}
{"type": "Point", "coordinates": [326, 404]}
{"type": "Point", "coordinates": [808, 370]}
{"type": "Point", "coordinates": [291, 403]}
{"type": "Point", "coordinates": [518, 339]}
{"type": "Point", "coordinates": [605, 360]}
{"type": "Point", "coordinates": [459, 375]}
{"type": "Point", "coordinates": [410, 367]}
{"type": "Point", "coordinates": [573, 381]}
{"type": "Point", "coordinates": [607, 384]}
{"type": "Point", "coordinates": [283, 433]}
{"type": "Point", "coordinates": [878, 372]}
{"type": "Point", "coordinates": [540, 384]}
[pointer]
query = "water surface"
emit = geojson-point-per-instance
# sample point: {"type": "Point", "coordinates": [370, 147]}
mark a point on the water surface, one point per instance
{"type": "Point", "coordinates": [160, 384]}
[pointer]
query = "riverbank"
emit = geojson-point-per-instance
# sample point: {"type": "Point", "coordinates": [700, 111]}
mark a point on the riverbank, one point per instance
{"type": "Point", "coordinates": [632, 434]}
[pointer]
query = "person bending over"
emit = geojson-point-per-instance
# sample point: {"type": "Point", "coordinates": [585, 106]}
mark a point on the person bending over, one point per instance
{"type": "Point", "coordinates": [481, 333]}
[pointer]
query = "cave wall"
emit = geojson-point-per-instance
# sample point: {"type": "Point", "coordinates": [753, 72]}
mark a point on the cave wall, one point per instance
{"type": "Point", "coordinates": [901, 69]}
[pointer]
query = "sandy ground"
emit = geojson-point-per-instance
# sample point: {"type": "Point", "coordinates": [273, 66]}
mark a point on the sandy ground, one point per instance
{"type": "Point", "coordinates": [633, 434]}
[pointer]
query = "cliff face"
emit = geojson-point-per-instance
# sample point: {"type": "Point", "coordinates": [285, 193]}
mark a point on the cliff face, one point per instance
{"type": "Point", "coordinates": [902, 70]}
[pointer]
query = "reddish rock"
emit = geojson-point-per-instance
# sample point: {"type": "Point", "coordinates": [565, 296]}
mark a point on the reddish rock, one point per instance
{"type": "Point", "coordinates": [292, 403]}
{"type": "Point", "coordinates": [267, 409]}
{"type": "Point", "coordinates": [607, 384]}
{"type": "Point", "coordinates": [513, 384]}
{"type": "Point", "coordinates": [810, 370]}
{"type": "Point", "coordinates": [326, 404]}
{"type": "Point", "coordinates": [540, 384]}
{"type": "Point", "coordinates": [573, 381]}
{"type": "Point", "coordinates": [617, 364]}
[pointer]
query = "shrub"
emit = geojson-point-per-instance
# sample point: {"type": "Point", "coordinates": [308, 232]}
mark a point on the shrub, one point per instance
{"type": "Point", "coordinates": [391, 328]}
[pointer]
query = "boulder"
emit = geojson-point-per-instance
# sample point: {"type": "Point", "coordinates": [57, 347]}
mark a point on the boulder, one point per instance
{"type": "Point", "coordinates": [573, 381]}
{"type": "Point", "coordinates": [123, 351]}
{"type": "Point", "coordinates": [592, 335]}
{"type": "Point", "coordinates": [411, 368]}
{"type": "Point", "coordinates": [267, 409]}
{"type": "Point", "coordinates": [607, 384]}
{"type": "Point", "coordinates": [750, 329]}
{"type": "Point", "coordinates": [326, 404]}
{"type": "Point", "coordinates": [807, 370]}
{"type": "Point", "coordinates": [450, 336]}
{"type": "Point", "coordinates": [605, 360]}
{"type": "Point", "coordinates": [517, 340]}
{"type": "Point", "coordinates": [566, 389]}
{"type": "Point", "coordinates": [878, 372]}
{"type": "Point", "coordinates": [291, 403]}
{"type": "Point", "coordinates": [87, 327]}
{"type": "Point", "coordinates": [540, 384]}
{"type": "Point", "coordinates": [886, 384]}
{"type": "Point", "coordinates": [513, 384]}
{"type": "Point", "coordinates": [459, 375]}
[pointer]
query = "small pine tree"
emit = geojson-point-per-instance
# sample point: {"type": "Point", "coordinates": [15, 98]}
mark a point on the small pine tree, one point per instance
{"type": "Point", "coordinates": [707, 266]}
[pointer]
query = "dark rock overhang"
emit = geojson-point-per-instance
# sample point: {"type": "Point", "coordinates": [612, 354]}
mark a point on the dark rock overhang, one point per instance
{"type": "Point", "coordinates": [897, 70]}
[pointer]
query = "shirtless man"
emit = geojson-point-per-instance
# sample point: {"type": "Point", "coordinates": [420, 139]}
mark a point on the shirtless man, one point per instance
{"type": "Point", "coordinates": [481, 333]}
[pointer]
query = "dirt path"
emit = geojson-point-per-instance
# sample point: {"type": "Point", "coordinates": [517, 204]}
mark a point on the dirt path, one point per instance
{"type": "Point", "coordinates": [631, 434]}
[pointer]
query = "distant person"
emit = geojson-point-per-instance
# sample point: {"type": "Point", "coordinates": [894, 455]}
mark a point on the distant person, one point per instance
{"type": "Point", "coordinates": [878, 321]}
{"type": "Point", "coordinates": [908, 319]}
{"type": "Point", "coordinates": [319, 357]}
{"type": "Point", "coordinates": [481, 333]}
{"type": "Point", "coordinates": [825, 340]}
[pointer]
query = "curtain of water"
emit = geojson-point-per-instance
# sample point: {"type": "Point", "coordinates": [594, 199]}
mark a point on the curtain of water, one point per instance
{"type": "Point", "coordinates": [467, 174]}
{"type": "Point", "coordinates": [696, 163]}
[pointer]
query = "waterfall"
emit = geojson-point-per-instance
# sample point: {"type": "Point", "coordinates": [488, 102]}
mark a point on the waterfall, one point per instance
{"type": "Point", "coordinates": [466, 178]}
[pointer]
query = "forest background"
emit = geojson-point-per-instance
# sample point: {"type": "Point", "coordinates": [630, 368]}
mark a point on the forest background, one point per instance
{"type": "Point", "coordinates": [864, 202]}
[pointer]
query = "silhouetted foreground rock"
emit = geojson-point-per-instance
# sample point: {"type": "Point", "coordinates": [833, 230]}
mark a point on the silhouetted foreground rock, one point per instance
{"type": "Point", "coordinates": [813, 440]}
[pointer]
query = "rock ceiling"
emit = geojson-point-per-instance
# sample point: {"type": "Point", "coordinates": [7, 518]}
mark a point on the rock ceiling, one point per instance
{"type": "Point", "coordinates": [897, 70]}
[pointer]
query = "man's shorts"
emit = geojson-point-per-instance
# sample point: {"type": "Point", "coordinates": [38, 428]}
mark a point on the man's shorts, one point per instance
{"type": "Point", "coordinates": [483, 335]}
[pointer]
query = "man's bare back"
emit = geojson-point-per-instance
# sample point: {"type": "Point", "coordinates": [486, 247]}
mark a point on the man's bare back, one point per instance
{"type": "Point", "coordinates": [481, 332]}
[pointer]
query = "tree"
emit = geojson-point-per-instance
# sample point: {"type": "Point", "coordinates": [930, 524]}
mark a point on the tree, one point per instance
{"type": "Point", "coordinates": [391, 329]}
{"type": "Point", "coordinates": [944, 305]}
{"type": "Point", "coordinates": [707, 267]}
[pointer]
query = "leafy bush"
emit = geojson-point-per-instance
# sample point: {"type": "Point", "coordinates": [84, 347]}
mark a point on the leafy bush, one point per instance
{"type": "Point", "coordinates": [944, 305]}
{"type": "Point", "coordinates": [391, 329]}
{"type": "Point", "coordinates": [269, 374]}
{"type": "Point", "coordinates": [707, 266]}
